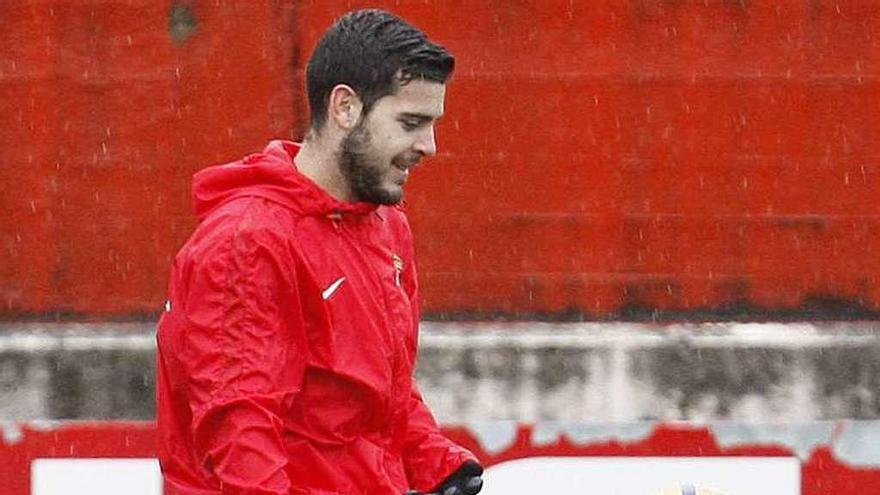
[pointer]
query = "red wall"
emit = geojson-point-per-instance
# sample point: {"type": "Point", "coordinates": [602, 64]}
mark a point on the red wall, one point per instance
{"type": "Point", "coordinates": [607, 159]}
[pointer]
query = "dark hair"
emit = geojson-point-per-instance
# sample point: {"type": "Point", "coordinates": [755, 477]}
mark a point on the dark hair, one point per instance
{"type": "Point", "coordinates": [374, 52]}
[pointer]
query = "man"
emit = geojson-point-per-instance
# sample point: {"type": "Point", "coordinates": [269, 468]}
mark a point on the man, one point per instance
{"type": "Point", "coordinates": [287, 347]}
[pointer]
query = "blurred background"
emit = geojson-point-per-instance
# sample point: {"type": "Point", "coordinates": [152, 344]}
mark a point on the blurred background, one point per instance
{"type": "Point", "coordinates": [642, 210]}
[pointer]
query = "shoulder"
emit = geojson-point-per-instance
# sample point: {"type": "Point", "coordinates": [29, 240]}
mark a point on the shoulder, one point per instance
{"type": "Point", "coordinates": [246, 225]}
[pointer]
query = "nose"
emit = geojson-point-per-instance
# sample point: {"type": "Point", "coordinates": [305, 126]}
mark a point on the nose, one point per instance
{"type": "Point", "coordinates": [426, 144]}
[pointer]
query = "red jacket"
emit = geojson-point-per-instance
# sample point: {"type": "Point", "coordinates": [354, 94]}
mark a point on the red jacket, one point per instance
{"type": "Point", "coordinates": [286, 351]}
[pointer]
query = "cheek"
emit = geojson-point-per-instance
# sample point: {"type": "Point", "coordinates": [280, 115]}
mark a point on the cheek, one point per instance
{"type": "Point", "coordinates": [391, 147]}
{"type": "Point", "coordinates": [391, 138]}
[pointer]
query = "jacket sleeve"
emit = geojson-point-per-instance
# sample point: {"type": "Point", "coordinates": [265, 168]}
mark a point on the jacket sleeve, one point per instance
{"type": "Point", "coordinates": [243, 357]}
{"type": "Point", "coordinates": [429, 457]}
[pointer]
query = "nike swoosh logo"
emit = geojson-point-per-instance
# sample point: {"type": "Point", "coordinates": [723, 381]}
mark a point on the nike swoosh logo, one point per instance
{"type": "Point", "coordinates": [329, 291]}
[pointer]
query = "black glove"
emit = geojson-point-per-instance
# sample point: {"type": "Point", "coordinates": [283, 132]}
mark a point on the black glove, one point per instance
{"type": "Point", "coordinates": [465, 480]}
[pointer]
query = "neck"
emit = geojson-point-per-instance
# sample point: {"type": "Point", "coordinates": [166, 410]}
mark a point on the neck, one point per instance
{"type": "Point", "coordinates": [317, 159]}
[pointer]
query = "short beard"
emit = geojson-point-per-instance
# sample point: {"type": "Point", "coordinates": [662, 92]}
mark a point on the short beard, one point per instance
{"type": "Point", "coordinates": [363, 174]}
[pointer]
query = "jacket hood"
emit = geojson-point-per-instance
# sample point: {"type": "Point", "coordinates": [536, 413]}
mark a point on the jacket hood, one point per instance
{"type": "Point", "coordinates": [271, 175]}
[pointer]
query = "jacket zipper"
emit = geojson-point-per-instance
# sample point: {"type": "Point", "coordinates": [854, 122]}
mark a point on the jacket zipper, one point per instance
{"type": "Point", "coordinates": [389, 332]}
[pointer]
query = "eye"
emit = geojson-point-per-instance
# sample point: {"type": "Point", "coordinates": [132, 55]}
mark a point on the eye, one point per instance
{"type": "Point", "coordinates": [410, 124]}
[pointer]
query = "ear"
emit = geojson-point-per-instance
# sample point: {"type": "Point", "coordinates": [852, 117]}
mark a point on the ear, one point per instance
{"type": "Point", "coordinates": [345, 106]}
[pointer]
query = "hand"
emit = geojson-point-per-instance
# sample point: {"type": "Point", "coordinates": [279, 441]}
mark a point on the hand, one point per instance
{"type": "Point", "coordinates": [466, 480]}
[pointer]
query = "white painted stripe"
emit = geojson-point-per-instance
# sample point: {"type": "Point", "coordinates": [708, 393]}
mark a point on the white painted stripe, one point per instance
{"type": "Point", "coordinates": [96, 476]}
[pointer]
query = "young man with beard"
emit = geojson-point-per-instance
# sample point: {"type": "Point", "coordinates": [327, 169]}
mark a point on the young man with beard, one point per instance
{"type": "Point", "coordinates": [286, 351]}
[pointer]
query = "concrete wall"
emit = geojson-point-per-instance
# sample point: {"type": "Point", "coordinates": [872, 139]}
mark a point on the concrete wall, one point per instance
{"type": "Point", "coordinates": [527, 372]}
